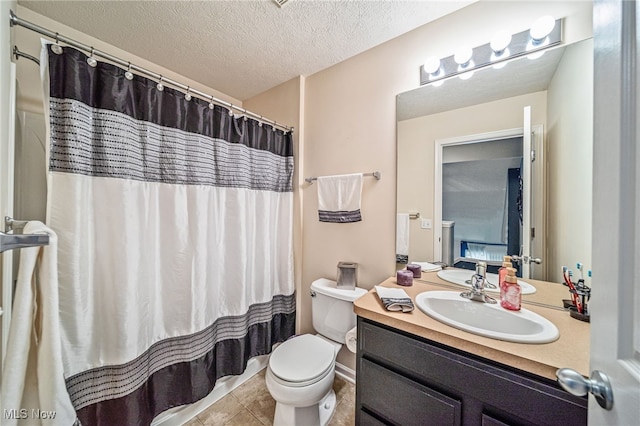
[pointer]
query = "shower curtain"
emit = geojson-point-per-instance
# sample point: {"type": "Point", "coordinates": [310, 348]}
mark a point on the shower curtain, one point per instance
{"type": "Point", "coordinates": [175, 239]}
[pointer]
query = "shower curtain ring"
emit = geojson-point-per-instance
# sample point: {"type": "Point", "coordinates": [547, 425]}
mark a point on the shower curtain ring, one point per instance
{"type": "Point", "coordinates": [230, 110]}
{"type": "Point", "coordinates": [187, 95]}
{"type": "Point", "coordinates": [128, 74]}
{"type": "Point", "coordinates": [56, 48]}
{"type": "Point", "coordinates": [91, 60]}
{"type": "Point", "coordinates": [160, 86]}
{"type": "Point", "coordinates": [211, 104]}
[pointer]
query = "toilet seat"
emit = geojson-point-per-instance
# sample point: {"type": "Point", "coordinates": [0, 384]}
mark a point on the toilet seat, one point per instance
{"type": "Point", "coordinates": [302, 361]}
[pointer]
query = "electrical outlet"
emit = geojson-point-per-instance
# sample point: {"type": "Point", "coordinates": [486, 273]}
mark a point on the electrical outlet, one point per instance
{"type": "Point", "coordinates": [425, 223]}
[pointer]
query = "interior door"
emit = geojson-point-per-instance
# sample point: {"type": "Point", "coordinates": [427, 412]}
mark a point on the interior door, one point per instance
{"type": "Point", "coordinates": [615, 304]}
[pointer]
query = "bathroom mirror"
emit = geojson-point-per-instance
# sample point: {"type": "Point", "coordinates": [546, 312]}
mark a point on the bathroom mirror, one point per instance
{"type": "Point", "coordinates": [559, 89]}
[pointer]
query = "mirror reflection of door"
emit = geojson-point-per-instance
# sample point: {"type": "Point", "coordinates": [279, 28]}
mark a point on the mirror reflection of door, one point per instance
{"type": "Point", "coordinates": [482, 200]}
{"type": "Point", "coordinates": [486, 194]}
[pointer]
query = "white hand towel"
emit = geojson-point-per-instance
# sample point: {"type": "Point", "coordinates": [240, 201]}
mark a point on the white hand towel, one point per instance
{"type": "Point", "coordinates": [339, 198]}
{"type": "Point", "coordinates": [394, 299]}
{"type": "Point", "coordinates": [33, 377]}
{"type": "Point", "coordinates": [402, 238]}
{"type": "Point", "coordinates": [428, 267]}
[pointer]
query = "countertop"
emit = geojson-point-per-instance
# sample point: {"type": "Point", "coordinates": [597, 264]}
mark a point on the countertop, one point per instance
{"type": "Point", "coordinates": [571, 350]}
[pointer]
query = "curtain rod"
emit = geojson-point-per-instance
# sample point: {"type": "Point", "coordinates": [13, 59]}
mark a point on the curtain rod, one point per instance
{"type": "Point", "coordinates": [15, 20]}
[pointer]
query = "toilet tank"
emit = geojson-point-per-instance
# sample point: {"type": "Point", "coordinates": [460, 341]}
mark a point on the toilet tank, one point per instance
{"type": "Point", "coordinates": [332, 308]}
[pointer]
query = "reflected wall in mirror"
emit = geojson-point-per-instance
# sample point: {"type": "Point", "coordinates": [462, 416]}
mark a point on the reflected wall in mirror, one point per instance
{"type": "Point", "coordinates": [559, 88]}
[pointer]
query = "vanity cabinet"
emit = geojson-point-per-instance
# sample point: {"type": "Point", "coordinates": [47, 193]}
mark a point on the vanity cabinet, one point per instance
{"type": "Point", "coordinates": [409, 380]}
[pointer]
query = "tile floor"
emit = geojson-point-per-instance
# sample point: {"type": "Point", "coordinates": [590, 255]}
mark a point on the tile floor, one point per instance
{"type": "Point", "coordinates": [250, 404]}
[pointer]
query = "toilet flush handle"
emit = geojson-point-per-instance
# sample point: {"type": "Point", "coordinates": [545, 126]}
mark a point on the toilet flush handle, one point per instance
{"type": "Point", "coordinates": [312, 293]}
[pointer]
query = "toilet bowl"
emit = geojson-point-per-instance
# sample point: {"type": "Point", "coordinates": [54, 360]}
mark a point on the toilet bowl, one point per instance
{"type": "Point", "coordinates": [300, 378]}
{"type": "Point", "coordinates": [301, 370]}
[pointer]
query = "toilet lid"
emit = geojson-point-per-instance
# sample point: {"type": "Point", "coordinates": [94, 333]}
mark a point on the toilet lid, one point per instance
{"type": "Point", "coordinates": [302, 358]}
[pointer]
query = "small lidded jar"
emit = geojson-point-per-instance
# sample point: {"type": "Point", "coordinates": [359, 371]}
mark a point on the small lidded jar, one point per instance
{"type": "Point", "coordinates": [415, 269]}
{"type": "Point", "coordinates": [404, 277]}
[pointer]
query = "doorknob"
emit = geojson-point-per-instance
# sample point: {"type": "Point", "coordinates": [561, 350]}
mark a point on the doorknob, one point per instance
{"type": "Point", "coordinates": [599, 385]}
{"type": "Point", "coordinates": [526, 259]}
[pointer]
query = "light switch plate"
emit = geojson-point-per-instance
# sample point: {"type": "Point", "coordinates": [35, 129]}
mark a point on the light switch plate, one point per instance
{"type": "Point", "coordinates": [425, 223]}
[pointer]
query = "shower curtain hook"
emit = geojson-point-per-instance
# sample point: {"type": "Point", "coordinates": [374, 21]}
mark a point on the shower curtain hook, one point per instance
{"type": "Point", "coordinates": [56, 48]}
{"type": "Point", "coordinates": [128, 74]}
{"type": "Point", "coordinates": [160, 86]}
{"type": "Point", "coordinates": [211, 104]}
{"type": "Point", "coordinates": [91, 60]}
{"type": "Point", "coordinates": [230, 110]}
{"type": "Point", "coordinates": [187, 95]}
{"type": "Point", "coordinates": [260, 122]}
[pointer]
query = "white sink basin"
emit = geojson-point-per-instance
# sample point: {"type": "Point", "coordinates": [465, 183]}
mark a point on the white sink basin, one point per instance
{"type": "Point", "coordinates": [485, 319]}
{"type": "Point", "coordinates": [463, 277]}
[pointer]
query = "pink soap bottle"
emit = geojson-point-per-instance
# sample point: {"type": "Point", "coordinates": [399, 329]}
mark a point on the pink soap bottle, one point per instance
{"type": "Point", "coordinates": [502, 272]}
{"type": "Point", "coordinates": [510, 292]}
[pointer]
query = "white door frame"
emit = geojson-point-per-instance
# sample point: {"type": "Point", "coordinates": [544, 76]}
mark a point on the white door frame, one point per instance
{"type": "Point", "coordinates": [538, 194]}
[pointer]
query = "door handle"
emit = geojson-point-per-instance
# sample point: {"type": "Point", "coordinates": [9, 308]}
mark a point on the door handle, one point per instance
{"type": "Point", "coordinates": [526, 259]}
{"type": "Point", "coordinates": [598, 385]}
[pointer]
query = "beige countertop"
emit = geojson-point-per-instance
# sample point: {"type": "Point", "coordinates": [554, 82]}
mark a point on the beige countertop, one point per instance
{"type": "Point", "coordinates": [570, 350]}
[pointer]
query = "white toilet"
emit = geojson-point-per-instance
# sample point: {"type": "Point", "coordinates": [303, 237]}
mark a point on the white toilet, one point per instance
{"type": "Point", "coordinates": [301, 370]}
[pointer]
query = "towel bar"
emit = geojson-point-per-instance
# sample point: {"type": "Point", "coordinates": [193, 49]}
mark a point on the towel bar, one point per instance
{"type": "Point", "coordinates": [13, 241]}
{"type": "Point", "coordinates": [376, 175]}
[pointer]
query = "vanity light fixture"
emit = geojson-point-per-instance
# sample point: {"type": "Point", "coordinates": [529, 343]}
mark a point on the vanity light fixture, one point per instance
{"type": "Point", "coordinates": [544, 33]}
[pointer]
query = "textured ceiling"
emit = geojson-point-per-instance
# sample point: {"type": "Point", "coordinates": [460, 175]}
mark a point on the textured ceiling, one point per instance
{"type": "Point", "coordinates": [244, 47]}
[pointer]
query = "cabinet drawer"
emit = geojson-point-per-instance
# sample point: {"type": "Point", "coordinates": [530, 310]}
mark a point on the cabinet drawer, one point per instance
{"type": "Point", "coordinates": [365, 419]}
{"type": "Point", "coordinates": [521, 398]}
{"type": "Point", "coordinates": [402, 401]}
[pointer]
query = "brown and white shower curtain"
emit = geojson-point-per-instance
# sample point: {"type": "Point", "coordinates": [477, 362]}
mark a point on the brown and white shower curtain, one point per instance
{"type": "Point", "coordinates": [174, 222]}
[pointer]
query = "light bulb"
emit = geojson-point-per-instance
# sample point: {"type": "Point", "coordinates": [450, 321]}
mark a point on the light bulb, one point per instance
{"type": "Point", "coordinates": [541, 28]}
{"type": "Point", "coordinates": [466, 75]}
{"type": "Point", "coordinates": [432, 65]}
{"type": "Point", "coordinates": [500, 42]}
{"type": "Point", "coordinates": [463, 55]}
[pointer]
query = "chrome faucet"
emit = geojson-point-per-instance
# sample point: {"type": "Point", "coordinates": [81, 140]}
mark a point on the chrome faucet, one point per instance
{"type": "Point", "coordinates": [477, 285]}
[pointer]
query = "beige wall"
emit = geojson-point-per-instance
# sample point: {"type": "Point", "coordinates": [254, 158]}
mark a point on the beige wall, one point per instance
{"type": "Point", "coordinates": [416, 153]}
{"type": "Point", "coordinates": [570, 163]}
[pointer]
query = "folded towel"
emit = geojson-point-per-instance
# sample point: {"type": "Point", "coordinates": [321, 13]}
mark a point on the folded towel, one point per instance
{"type": "Point", "coordinates": [33, 376]}
{"type": "Point", "coordinates": [402, 238]}
{"type": "Point", "coordinates": [394, 299]}
{"type": "Point", "coordinates": [428, 267]}
{"type": "Point", "coordinates": [339, 198]}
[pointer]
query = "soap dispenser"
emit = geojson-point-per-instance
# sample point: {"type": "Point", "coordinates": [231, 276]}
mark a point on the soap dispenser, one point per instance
{"type": "Point", "coordinates": [510, 292]}
{"type": "Point", "coordinates": [502, 272]}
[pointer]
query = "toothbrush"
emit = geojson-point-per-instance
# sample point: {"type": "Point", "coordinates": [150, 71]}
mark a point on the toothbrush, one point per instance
{"type": "Point", "coordinates": [579, 266]}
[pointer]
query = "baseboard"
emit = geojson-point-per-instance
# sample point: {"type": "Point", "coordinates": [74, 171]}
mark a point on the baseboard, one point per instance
{"type": "Point", "coordinates": [181, 415]}
{"type": "Point", "coordinates": [345, 373]}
